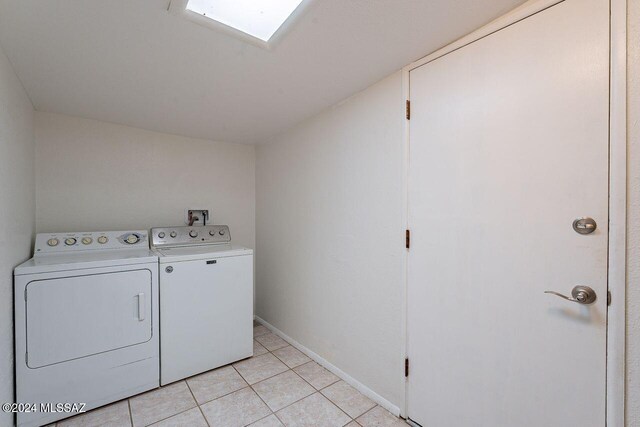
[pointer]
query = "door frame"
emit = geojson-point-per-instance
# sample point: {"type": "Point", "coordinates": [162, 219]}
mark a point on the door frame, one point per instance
{"type": "Point", "coordinates": [616, 275]}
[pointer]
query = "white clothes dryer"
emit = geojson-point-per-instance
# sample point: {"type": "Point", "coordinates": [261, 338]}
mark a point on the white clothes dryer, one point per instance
{"type": "Point", "coordinates": [86, 321]}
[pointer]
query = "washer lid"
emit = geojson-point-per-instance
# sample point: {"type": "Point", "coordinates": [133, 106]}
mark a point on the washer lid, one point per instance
{"type": "Point", "coordinates": [83, 260]}
{"type": "Point", "coordinates": [189, 253]}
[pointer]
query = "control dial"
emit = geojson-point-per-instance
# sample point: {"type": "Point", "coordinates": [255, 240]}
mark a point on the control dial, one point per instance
{"type": "Point", "coordinates": [222, 232]}
{"type": "Point", "coordinates": [53, 242]}
{"type": "Point", "coordinates": [161, 234]}
{"type": "Point", "coordinates": [212, 233]}
{"type": "Point", "coordinates": [103, 239]}
{"type": "Point", "coordinates": [173, 234]}
{"type": "Point", "coordinates": [193, 233]}
{"type": "Point", "coordinates": [70, 241]}
{"type": "Point", "coordinates": [87, 240]}
{"type": "Point", "coordinates": [132, 239]}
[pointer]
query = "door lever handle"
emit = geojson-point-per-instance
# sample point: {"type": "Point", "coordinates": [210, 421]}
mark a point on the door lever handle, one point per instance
{"type": "Point", "coordinates": [580, 294]}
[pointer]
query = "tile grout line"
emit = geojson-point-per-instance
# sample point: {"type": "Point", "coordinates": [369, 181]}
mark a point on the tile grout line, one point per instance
{"type": "Point", "coordinates": [272, 411]}
{"type": "Point", "coordinates": [291, 367]}
{"type": "Point", "coordinates": [250, 385]}
{"type": "Point", "coordinates": [177, 413]}
{"type": "Point", "coordinates": [309, 395]}
{"type": "Point", "coordinates": [197, 404]}
{"type": "Point", "coordinates": [292, 370]}
{"type": "Point", "coordinates": [257, 421]}
{"type": "Point", "coordinates": [130, 412]}
{"type": "Point", "coordinates": [315, 390]}
{"type": "Point", "coordinates": [259, 397]}
{"type": "Point", "coordinates": [366, 412]}
{"type": "Point", "coordinates": [265, 403]}
{"type": "Point", "coordinates": [222, 395]}
{"type": "Point", "coordinates": [335, 403]}
{"type": "Point", "coordinates": [281, 422]}
{"type": "Point", "coordinates": [166, 418]}
{"type": "Point", "coordinates": [310, 360]}
{"type": "Point", "coordinates": [320, 390]}
{"type": "Point", "coordinates": [322, 367]}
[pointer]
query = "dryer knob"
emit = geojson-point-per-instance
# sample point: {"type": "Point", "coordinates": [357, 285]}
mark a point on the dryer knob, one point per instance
{"type": "Point", "coordinates": [132, 239]}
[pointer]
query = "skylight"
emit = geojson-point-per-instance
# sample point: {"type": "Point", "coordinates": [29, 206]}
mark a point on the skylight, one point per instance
{"type": "Point", "coordinates": [258, 18]}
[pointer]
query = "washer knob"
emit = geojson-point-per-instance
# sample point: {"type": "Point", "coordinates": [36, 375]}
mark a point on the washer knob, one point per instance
{"type": "Point", "coordinates": [53, 242]}
{"type": "Point", "coordinates": [173, 234]}
{"type": "Point", "coordinates": [70, 241]}
{"type": "Point", "coordinates": [222, 232]}
{"type": "Point", "coordinates": [161, 234]}
{"type": "Point", "coordinates": [103, 239]}
{"type": "Point", "coordinates": [212, 233]}
{"type": "Point", "coordinates": [132, 239]}
{"type": "Point", "coordinates": [87, 240]}
{"type": "Point", "coordinates": [193, 233]}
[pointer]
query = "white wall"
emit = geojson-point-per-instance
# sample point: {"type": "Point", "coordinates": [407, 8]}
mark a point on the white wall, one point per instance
{"type": "Point", "coordinates": [17, 209]}
{"type": "Point", "coordinates": [330, 237]}
{"type": "Point", "coordinates": [316, 203]}
{"type": "Point", "coordinates": [93, 175]}
{"type": "Point", "coordinates": [633, 218]}
{"type": "Point", "coordinates": [328, 203]}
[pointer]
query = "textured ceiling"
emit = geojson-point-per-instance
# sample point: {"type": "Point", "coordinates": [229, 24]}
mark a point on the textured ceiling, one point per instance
{"type": "Point", "coordinates": [133, 63]}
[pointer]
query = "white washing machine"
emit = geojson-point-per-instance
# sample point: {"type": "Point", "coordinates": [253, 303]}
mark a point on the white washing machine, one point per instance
{"type": "Point", "coordinates": [206, 300]}
{"type": "Point", "coordinates": [86, 321]}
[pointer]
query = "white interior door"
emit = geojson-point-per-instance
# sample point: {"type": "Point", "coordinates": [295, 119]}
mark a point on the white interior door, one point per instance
{"type": "Point", "coordinates": [508, 145]}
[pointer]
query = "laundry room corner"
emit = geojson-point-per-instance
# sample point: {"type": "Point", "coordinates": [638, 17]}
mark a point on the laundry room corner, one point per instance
{"type": "Point", "coordinates": [329, 263]}
{"type": "Point", "coordinates": [94, 175]}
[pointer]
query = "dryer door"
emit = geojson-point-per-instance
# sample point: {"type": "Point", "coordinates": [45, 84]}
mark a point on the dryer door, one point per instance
{"type": "Point", "coordinates": [73, 317]}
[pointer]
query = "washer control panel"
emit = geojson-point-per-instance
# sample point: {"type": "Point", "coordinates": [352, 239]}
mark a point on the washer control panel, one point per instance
{"type": "Point", "coordinates": [188, 236]}
{"type": "Point", "coordinates": [94, 240]}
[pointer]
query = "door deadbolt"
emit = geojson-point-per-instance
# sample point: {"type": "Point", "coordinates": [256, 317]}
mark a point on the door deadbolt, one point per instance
{"type": "Point", "coordinates": [584, 225]}
{"type": "Point", "coordinates": [168, 269]}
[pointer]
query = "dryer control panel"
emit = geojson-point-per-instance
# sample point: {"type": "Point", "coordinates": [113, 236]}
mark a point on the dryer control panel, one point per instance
{"type": "Point", "coordinates": [47, 243]}
{"type": "Point", "coordinates": [189, 236]}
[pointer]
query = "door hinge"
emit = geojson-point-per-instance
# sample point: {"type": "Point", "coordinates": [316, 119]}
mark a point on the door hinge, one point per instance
{"type": "Point", "coordinates": [406, 367]}
{"type": "Point", "coordinates": [408, 110]}
{"type": "Point", "coordinates": [407, 239]}
{"type": "Point", "coordinates": [608, 298]}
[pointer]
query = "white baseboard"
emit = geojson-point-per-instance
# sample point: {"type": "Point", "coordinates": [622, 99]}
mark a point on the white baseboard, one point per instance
{"type": "Point", "coordinates": [335, 370]}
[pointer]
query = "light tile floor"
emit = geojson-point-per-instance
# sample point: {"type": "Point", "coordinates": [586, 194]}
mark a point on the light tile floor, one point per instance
{"type": "Point", "coordinates": [278, 386]}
